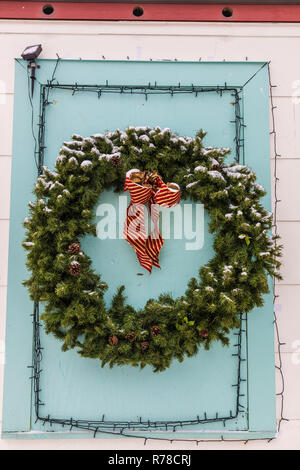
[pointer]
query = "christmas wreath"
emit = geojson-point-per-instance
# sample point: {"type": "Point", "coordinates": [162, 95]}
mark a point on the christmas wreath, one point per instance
{"type": "Point", "coordinates": [233, 281]}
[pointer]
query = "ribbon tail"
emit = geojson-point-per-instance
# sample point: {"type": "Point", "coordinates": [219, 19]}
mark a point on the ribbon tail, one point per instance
{"type": "Point", "coordinates": [155, 241]}
{"type": "Point", "coordinates": [145, 261]}
{"type": "Point", "coordinates": [153, 247]}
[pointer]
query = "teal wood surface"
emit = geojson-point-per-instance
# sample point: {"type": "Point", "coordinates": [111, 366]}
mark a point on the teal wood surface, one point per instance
{"type": "Point", "coordinates": [79, 388]}
{"type": "Point", "coordinates": [260, 331]}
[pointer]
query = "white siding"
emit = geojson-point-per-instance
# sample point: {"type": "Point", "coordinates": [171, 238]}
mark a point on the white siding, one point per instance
{"type": "Point", "coordinates": [279, 43]}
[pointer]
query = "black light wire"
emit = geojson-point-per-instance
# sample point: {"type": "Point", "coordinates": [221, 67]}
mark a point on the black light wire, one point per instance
{"type": "Point", "coordinates": [273, 133]}
{"type": "Point", "coordinates": [123, 428]}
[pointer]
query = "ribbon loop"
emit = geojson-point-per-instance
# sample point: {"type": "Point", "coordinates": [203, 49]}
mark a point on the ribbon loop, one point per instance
{"type": "Point", "coordinates": [147, 248]}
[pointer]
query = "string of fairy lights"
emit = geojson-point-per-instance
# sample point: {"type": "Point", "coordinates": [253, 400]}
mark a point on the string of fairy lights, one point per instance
{"type": "Point", "coordinates": [144, 428]}
{"type": "Point", "coordinates": [273, 133]}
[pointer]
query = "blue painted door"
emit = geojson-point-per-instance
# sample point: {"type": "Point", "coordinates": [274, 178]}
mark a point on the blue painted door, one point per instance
{"type": "Point", "coordinates": [202, 387]}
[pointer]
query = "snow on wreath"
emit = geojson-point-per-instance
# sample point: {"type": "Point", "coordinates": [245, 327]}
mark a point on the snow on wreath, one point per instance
{"type": "Point", "coordinates": [231, 283]}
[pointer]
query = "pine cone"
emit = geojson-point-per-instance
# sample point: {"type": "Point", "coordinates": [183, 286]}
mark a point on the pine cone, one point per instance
{"type": "Point", "coordinates": [115, 161]}
{"type": "Point", "coordinates": [155, 330]}
{"type": "Point", "coordinates": [204, 333]}
{"type": "Point", "coordinates": [74, 249]}
{"type": "Point", "coordinates": [144, 345]}
{"type": "Point", "coordinates": [74, 268]}
{"type": "Point", "coordinates": [216, 166]}
{"type": "Point", "coordinates": [130, 337]}
{"type": "Point", "coordinates": [113, 340]}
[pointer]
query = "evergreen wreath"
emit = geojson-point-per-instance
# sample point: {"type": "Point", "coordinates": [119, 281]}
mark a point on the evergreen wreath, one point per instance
{"type": "Point", "coordinates": [231, 283]}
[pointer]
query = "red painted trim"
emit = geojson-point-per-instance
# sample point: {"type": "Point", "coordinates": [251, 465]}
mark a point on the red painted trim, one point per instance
{"type": "Point", "coordinates": [152, 12]}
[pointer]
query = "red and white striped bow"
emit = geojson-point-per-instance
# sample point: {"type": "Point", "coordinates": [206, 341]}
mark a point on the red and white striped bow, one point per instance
{"type": "Point", "coordinates": [147, 248]}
